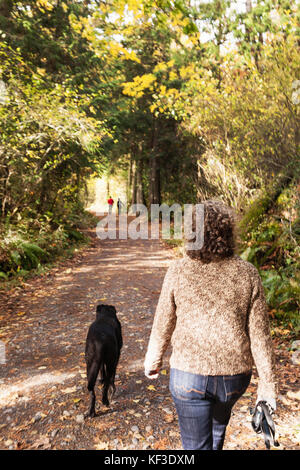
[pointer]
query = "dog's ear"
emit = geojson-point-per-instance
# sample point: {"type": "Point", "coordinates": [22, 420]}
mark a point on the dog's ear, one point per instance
{"type": "Point", "coordinates": [99, 310]}
{"type": "Point", "coordinates": [112, 309]}
{"type": "Point", "coordinates": [100, 307]}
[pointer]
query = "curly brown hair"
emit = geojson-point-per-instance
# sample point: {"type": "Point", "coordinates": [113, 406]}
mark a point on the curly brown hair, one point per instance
{"type": "Point", "coordinates": [219, 237]}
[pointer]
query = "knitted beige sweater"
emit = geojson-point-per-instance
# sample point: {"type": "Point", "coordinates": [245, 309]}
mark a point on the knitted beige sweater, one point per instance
{"type": "Point", "coordinates": [215, 315]}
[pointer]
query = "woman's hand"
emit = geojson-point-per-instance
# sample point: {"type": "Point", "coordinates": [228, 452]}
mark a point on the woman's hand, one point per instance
{"type": "Point", "coordinates": [152, 374]}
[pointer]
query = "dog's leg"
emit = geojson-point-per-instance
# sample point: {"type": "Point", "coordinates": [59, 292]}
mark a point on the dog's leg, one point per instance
{"type": "Point", "coordinates": [105, 400]}
{"type": "Point", "coordinates": [92, 374]}
{"type": "Point", "coordinates": [102, 374]}
{"type": "Point", "coordinates": [112, 387]}
{"type": "Point", "coordinates": [91, 412]}
{"type": "Point", "coordinates": [109, 387]}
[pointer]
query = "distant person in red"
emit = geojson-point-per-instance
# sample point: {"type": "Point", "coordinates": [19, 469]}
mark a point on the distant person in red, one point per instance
{"type": "Point", "coordinates": [110, 202]}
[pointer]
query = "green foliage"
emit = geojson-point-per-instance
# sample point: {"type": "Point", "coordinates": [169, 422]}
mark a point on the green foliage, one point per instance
{"type": "Point", "coordinates": [51, 134]}
{"type": "Point", "coordinates": [37, 242]}
{"type": "Point", "coordinates": [270, 232]}
{"type": "Point", "coordinates": [188, 100]}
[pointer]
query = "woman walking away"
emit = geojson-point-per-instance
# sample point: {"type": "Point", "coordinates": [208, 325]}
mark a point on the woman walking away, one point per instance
{"type": "Point", "coordinates": [212, 308]}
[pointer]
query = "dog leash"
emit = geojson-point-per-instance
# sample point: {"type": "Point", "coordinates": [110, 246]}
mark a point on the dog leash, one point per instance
{"type": "Point", "coordinates": [262, 422]}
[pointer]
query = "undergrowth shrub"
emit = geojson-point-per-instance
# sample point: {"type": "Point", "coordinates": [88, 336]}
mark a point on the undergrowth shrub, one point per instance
{"type": "Point", "coordinates": [271, 241]}
{"type": "Point", "coordinates": [35, 242]}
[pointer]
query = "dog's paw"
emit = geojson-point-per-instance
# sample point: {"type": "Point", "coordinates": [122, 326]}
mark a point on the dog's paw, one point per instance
{"type": "Point", "coordinates": [90, 415]}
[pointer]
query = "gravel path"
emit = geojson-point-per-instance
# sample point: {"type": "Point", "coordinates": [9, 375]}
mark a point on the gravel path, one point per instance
{"type": "Point", "coordinates": [44, 323]}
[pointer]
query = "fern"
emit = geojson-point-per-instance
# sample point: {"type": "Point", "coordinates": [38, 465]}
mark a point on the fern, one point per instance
{"type": "Point", "coordinates": [32, 255]}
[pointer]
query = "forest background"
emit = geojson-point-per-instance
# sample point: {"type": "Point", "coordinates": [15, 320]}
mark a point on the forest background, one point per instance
{"type": "Point", "coordinates": [184, 100]}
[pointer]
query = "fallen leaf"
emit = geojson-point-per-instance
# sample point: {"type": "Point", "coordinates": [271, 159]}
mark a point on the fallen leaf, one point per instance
{"type": "Point", "coordinates": [43, 442]}
{"type": "Point", "coordinates": [169, 418]}
{"type": "Point", "coordinates": [151, 387]}
{"type": "Point", "coordinates": [69, 390]}
{"type": "Point", "coordinates": [102, 446]}
{"type": "Point", "coordinates": [294, 395]}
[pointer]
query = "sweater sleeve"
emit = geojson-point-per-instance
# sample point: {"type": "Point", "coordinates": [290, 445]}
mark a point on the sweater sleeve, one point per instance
{"type": "Point", "coordinates": [164, 322]}
{"type": "Point", "coordinates": [260, 340]}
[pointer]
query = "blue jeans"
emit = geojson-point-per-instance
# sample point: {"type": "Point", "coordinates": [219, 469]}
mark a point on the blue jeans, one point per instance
{"type": "Point", "coordinates": [204, 405]}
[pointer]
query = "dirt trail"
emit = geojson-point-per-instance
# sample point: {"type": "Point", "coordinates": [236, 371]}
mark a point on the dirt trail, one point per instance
{"type": "Point", "coordinates": [43, 394]}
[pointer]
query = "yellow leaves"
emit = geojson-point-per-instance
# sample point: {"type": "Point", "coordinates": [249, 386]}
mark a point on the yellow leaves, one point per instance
{"type": "Point", "coordinates": [172, 76]}
{"type": "Point", "coordinates": [163, 89]}
{"type": "Point", "coordinates": [69, 390]}
{"type": "Point", "coordinates": [64, 7]}
{"type": "Point", "coordinates": [117, 50]}
{"type": "Point", "coordinates": [187, 72]}
{"type": "Point", "coordinates": [114, 48]}
{"type": "Point", "coordinates": [124, 7]}
{"type": "Point", "coordinates": [131, 56]}
{"type": "Point", "coordinates": [102, 446]}
{"type": "Point", "coordinates": [161, 67]}
{"type": "Point", "coordinates": [139, 85]}
{"type": "Point", "coordinates": [186, 41]}
{"type": "Point", "coordinates": [151, 388]}
{"type": "Point", "coordinates": [278, 331]}
{"type": "Point", "coordinates": [173, 92]}
{"type": "Point", "coordinates": [44, 5]}
{"type": "Point", "coordinates": [41, 71]}
{"type": "Point", "coordinates": [76, 25]}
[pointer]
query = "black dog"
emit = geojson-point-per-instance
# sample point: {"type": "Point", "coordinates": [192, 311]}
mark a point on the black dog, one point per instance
{"type": "Point", "coordinates": [102, 353]}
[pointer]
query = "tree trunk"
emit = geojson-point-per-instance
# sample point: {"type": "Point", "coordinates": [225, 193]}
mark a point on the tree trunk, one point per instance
{"type": "Point", "coordinates": [129, 180]}
{"type": "Point", "coordinates": [155, 197]}
{"type": "Point", "coordinates": [6, 7]}
{"type": "Point", "coordinates": [154, 193]}
{"type": "Point", "coordinates": [43, 194]}
{"type": "Point", "coordinates": [107, 187]}
{"type": "Point", "coordinates": [139, 182]}
{"type": "Point", "coordinates": [133, 183]}
{"type": "Point", "coordinates": [78, 184]}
